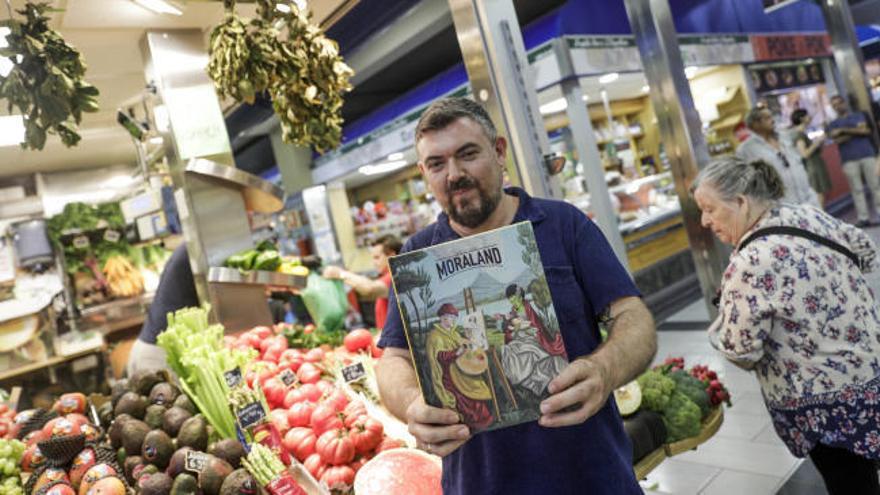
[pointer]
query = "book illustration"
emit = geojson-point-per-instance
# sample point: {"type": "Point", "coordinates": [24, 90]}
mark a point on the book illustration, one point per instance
{"type": "Point", "coordinates": [480, 322]}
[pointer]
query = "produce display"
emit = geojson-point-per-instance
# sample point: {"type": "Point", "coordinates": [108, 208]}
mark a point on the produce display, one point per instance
{"type": "Point", "coordinates": [266, 257]}
{"type": "Point", "coordinates": [11, 452]}
{"type": "Point", "coordinates": [123, 279]}
{"type": "Point", "coordinates": [46, 80]}
{"type": "Point", "coordinates": [683, 398]}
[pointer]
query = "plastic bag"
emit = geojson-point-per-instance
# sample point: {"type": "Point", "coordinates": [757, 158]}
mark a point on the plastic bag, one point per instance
{"type": "Point", "coordinates": [326, 302]}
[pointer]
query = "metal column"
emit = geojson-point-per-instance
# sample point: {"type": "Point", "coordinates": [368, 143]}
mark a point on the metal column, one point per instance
{"type": "Point", "coordinates": [588, 151]}
{"type": "Point", "coordinates": [680, 130]}
{"type": "Point", "coordinates": [494, 56]}
{"type": "Point", "coordinates": [847, 53]}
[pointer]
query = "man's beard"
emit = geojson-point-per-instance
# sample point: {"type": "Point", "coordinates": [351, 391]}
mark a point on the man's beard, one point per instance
{"type": "Point", "coordinates": [471, 215]}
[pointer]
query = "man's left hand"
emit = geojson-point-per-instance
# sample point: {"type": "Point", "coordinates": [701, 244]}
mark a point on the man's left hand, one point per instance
{"type": "Point", "coordinates": [585, 384]}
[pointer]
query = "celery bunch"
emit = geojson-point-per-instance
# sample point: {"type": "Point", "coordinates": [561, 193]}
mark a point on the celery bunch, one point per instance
{"type": "Point", "coordinates": [197, 355]}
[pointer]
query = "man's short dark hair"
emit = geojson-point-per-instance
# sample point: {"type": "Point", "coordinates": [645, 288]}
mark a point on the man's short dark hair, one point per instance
{"type": "Point", "coordinates": [798, 116]}
{"type": "Point", "coordinates": [443, 112]}
{"type": "Point", "coordinates": [391, 245]}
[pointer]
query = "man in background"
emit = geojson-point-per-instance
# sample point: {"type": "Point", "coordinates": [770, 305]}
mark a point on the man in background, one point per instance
{"type": "Point", "coordinates": [375, 289]}
{"type": "Point", "coordinates": [853, 137]}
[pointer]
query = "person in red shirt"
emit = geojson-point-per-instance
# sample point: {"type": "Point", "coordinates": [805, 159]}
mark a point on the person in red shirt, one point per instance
{"type": "Point", "coordinates": [378, 288]}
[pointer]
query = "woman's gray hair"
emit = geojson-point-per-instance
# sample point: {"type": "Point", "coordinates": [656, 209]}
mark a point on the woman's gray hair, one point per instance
{"type": "Point", "coordinates": [733, 176]}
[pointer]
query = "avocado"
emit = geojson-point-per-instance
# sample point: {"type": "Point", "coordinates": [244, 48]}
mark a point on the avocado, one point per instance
{"type": "Point", "coordinates": [153, 416]}
{"type": "Point", "coordinates": [185, 484]}
{"type": "Point", "coordinates": [239, 482]}
{"type": "Point", "coordinates": [183, 401]}
{"type": "Point", "coordinates": [157, 449]}
{"type": "Point", "coordinates": [132, 404]}
{"type": "Point", "coordinates": [163, 393]}
{"type": "Point", "coordinates": [133, 433]}
{"type": "Point", "coordinates": [228, 449]}
{"type": "Point", "coordinates": [144, 380]}
{"type": "Point", "coordinates": [115, 430]}
{"type": "Point", "coordinates": [211, 478]}
{"type": "Point", "coordinates": [119, 388]}
{"type": "Point", "coordinates": [177, 464]}
{"type": "Point", "coordinates": [155, 484]}
{"type": "Point", "coordinates": [193, 433]}
{"type": "Point", "coordinates": [173, 419]}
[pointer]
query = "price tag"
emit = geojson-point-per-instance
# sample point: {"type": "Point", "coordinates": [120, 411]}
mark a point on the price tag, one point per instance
{"type": "Point", "coordinates": [288, 377]}
{"type": "Point", "coordinates": [354, 372]}
{"type": "Point", "coordinates": [195, 461]}
{"type": "Point", "coordinates": [111, 235]}
{"type": "Point", "coordinates": [251, 415]}
{"type": "Point", "coordinates": [284, 485]}
{"type": "Point", "coordinates": [80, 242]}
{"type": "Point", "coordinates": [233, 377]}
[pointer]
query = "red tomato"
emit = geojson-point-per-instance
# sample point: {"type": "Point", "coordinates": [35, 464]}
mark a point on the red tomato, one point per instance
{"type": "Point", "coordinates": [278, 417]}
{"type": "Point", "coordinates": [338, 477]}
{"type": "Point", "coordinates": [366, 434]}
{"type": "Point", "coordinates": [335, 447]}
{"type": "Point", "coordinates": [251, 339]}
{"type": "Point", "coordinates": [300, 414]}
{"type": "Point", "coordinates": [273, 353]}
{"type": "Point", "coordinates": [359, 462]}
{"type": "Point", "coordinates": [338, 399]}
{"type": "Point", "coordinates": [358, 340]}
{"type": "Point", "coordinates": [292, 358]}
{"type": "Point", "coordinates": [275, 390]}
{"type": "Point", "coordinates": [293, 397]}
{"type": "Point", "coordinates": [3, 408]}
{"type": "Point", "coordinates": [261, 332]}
{"type": "Point", "coordinates": [278, 341]}
{"type": "Point", "coordinates": [315, 465]}
{"type": "Point", "coordinates": [315, 355]}
{"type": "Point", "coordinates": [308, 373]}
{"type": "Point", "coordinates": [300, 442]}
{"type": "Point", "coordinates": [326, 387]}
{"type": "Point", "coordinates": [325, 417]}
{"type": "Point", "coordinates": [354, 409]}
{"type": "Point", "coordinates": [376, 351]}
{"type": "Point", "coordinates": [389, 443]}
{"type": "Point", "coordinates": [311, 392]}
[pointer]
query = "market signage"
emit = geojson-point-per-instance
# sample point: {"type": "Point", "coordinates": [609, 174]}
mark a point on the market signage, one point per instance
{"type": "Point", "coordinates": [773, 77]}
{"type": "Point", "coordinates": [769, 47]}
{"type": "Point", "coordinates": [716, 49]}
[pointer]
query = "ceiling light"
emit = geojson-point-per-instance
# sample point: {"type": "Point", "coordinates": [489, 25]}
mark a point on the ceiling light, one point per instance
{"type": "Point", "coordinates": [554, 106]}
{"type": "Point", "coordinates": [646, 88]}
{"type": "Point", "coordinates": [393, 157]}
{"type": "Point", "coordinates": [608, 78]}
{"type": "Point", "coordinates": [585, 97]}
{"type": "Point", "coordinates": [382, 168]}
{"type": "Point", "coordinates": [282, 7]}
{"type": "Point", "coordinates": [159, 6]}
{"type": "Point", "coordinates": [11, 130]}
{"type": "Point", "coordinates": [690, 71]}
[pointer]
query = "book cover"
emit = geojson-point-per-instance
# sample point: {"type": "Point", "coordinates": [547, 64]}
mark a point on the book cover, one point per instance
{"type": "Point", "coordinates": [480, 322]}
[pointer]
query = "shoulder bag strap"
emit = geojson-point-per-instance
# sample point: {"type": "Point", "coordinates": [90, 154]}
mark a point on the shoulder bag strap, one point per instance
{"type": "Point", "coordinates": [794, 231]}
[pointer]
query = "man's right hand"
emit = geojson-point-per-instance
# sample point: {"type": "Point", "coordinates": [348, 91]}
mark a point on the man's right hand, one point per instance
{"type": "Point", "coordinates": [437, 431]}
{"type": "Point", "coordinates": [332, 272]}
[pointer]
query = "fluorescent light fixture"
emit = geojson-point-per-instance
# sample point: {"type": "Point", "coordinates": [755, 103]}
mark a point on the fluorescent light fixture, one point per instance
{"type": "Point", "coordinates": [159, 6]}
{"type": "Point", "coordinates": [608, 78]}
{"type": "Point", "coordinates": [554, 106]}
{"type": "Point", "coordinates": [646, 88]}
{"type": "Point", "coordinates": [282, 7]}
{"type": "Point", "coordinates": [11, 130]}
{"type": "Point", "coordinates": [690, 71]}
{"type": "Point", "coordinates": [585, 97]}
{"type": "Point", "coordinates": [393, 157]}
{"type": "Point", "coordinates": [382, 168]}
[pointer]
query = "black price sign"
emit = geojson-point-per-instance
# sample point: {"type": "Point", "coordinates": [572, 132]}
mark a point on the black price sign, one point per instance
{"type": "Point", "coordinates": [251, 415]}
{"type": "Point", "coordinates": [80, 242]}
{"type": "Point", "coordinates": [195, 461]}
{"type": "Point", "coordinates": [354, 372]}
{"type": "Point", "coordinates": [288, 377]}
{"type": "Point", "coordinates": [233, 377]}
{"type": "Point", "coordinates": [111, 235]}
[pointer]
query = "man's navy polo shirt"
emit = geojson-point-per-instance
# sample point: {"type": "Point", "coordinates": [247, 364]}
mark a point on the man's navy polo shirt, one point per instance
{"type": "Point", "coordinates": [856, 147]}
{"type": "Point", "coordinates": [584, 278]}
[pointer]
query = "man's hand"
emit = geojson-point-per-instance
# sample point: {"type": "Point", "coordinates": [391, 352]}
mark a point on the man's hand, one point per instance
{"type": "Point", "coordinates": [836, 132]}
{"type": "Point", "coordinates": [332, 272]}
{"type": "Point", "coordinates": [584, 386]}
{"type": "Point", "coordinates": [437, 431]}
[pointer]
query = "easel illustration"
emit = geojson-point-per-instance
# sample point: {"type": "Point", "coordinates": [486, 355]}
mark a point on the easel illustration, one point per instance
{"type": "Point", "coordinates": [471, 309]}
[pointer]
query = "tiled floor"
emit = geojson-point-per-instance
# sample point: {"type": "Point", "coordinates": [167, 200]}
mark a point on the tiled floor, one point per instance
{"type": "Point", "coordinates": [745, 456]}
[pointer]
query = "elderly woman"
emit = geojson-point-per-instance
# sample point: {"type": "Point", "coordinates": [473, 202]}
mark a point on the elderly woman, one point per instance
{"type": "Point", "coordinates": [798, 311]}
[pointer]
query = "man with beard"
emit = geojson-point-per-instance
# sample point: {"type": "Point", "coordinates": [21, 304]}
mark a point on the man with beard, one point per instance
{"type": "Point", "coordinates": [579, 444]}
